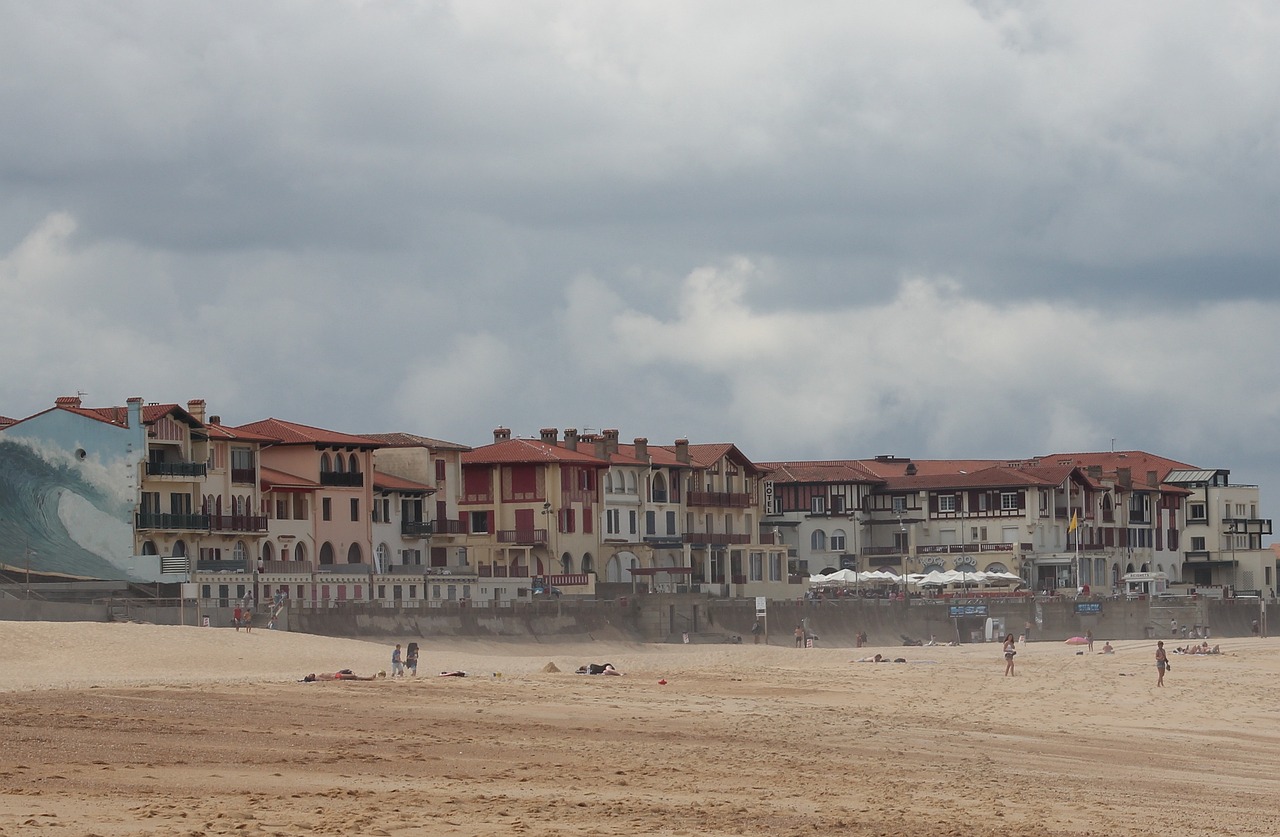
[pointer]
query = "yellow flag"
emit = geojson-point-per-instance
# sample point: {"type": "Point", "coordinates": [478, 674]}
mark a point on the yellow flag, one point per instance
{"type": "Point", "coordinates": [1074, 524]}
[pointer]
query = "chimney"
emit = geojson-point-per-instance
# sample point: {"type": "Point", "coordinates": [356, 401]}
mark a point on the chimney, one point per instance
{"type": "Point", "coordinates": [1153, 478]}
{"type": "Point", "coordinates": [571, 438]}
{"type": "Point", "coordinates": [548, 435]}
{"type": "Point", "coordinates": [602, 447]}
{"type": "Point", "coordinates": [1124, 476]}
{"type": "Point", "coordinates": [67, 401]}
{"type": "Point", "coordinates": [611, 441]}
{"type": "Point", "coordinates": [1094, 471]}
{"type": "Point", "coordinates": [642, 449]}
{"type": "Point", "coordinates": [911, 469]}
{"type": "Point", "coordinates": [135, 411]}
{"type": "Point", "coordinates": [682, 451]}
{"type": "Point", "coordinates": [215, 419]}
{"type": "Point", "coordinates": [501, 434]}
{"type": "Point", "coordinates": [196, 408]}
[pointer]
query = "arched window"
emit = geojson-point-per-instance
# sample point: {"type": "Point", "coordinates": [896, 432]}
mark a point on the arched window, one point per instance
{"type": "Point", "coordinates": [382, 557]}
{"type": "Point", "coordinates": [325, 467]}
{"type": "Point", "coordinates": [837, 541]}
{"type": "Point", "coordinates": [179, 548]}
{"type": "Point", "coordinates": [299, 552]}
{"type": "Point", "coordinates": [353, 464]}
{"type": "Point", "coordinates": [608, 482]}
{"type": "Point", "coordinates": [566, 563]}
{"type": "Point", "coordinates": [326, 553]}
{"type": "Point", "coordinates": [339, 463]}
{"type": "Point", "coordinates": [659, 488]}
{"type": "Point", "coordinates": [587, 564]}
{"type": "Point", "coordinates": [149, 548]}
{"type": "Point", "coordinates": [631, 482]}
{"type": "Point", "coordinates": [818, 541]}
{"type": "Point", "coordinates": [354, 554]}
{"type": "Point", "coordinates": [239, 552]}
{"type": "Point", "coordinates": [268, 551]}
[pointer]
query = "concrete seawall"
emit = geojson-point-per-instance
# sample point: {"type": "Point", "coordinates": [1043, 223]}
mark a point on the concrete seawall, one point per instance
{"type": "Point", "coordinates": [668, 618]}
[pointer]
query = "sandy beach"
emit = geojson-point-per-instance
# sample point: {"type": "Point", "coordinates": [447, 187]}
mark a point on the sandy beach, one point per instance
{"type": "Point", "coordinates": [145, 730]}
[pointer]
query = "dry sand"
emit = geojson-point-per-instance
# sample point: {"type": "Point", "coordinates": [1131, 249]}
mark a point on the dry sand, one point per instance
{"type": "Point", "coordinates": [146, 730]}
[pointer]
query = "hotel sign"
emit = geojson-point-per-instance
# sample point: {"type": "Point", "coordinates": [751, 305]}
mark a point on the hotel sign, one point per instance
{"type": "Point", "coordinates": [1089, 607]}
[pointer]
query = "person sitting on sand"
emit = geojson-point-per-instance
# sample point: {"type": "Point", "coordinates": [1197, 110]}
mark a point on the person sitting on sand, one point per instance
{"type": "Point", "coordinates": [345, 674]}
{"type": "Point", "coordinates": [1107, 649]}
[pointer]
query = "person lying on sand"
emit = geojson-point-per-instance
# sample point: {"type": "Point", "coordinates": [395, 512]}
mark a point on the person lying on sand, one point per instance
{"type": "Point", "coordinates": [598, 668]}
{"type": "Point", "coordinates": [345, 674]}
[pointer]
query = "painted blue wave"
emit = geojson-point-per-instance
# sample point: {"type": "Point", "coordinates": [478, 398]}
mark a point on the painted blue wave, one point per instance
{"type": "Point", "coordinates": [30, 491]}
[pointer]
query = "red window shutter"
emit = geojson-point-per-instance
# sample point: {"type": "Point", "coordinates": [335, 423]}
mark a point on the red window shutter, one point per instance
{"type": "Point", "coordinates": [571, 514]}
{"type": "Point", "coordinates": [588, 521]}
{"type": "Point", "coordinates": [566, 478]}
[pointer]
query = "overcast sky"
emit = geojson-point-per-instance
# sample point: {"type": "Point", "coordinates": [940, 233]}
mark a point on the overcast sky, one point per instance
{"type": "Point", "coordinates": [819, 230]}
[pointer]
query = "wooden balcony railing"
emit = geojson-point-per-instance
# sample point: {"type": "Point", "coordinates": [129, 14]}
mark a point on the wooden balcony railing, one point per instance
{"type": "Point", "coordinates": [719, 498]}
{"type": "Point", "coordinates": [173, 522]}
{"type": "Point", "coordinates": [176, 469]}
{"type": "Point", "coordinates": [417, 528]}
{"type": "Point", "coordinates": [238, 522]}
{"type": "Point", "coordinates": [522, 536]}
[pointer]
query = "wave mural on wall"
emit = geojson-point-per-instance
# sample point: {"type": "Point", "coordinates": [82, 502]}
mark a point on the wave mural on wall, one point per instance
{"type": "Point", "coordinates": [74, 515]}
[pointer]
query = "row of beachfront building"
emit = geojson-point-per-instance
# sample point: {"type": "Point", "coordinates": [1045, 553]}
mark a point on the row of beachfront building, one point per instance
{"type": "Point", "coordinates": [274, 508]}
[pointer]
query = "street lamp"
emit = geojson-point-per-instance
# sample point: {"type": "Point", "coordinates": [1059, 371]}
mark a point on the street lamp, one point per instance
{"type": "Point", "coordinates": [28, 552]}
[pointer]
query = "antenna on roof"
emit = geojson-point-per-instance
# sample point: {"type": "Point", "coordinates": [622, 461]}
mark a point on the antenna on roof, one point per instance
{"type": "Point", "coordinates": [81, 393]}
{"type": "Point", "coordinates": [1113, 444]}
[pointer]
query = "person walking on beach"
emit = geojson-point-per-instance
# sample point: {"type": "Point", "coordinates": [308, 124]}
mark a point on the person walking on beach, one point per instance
{"type": "Point", "coordinates": [1162, 662]}
{"type": "Point", "coordinates": [1088, 640]}
{"type": "Point", "coordinates": [1010, 649]}
{"type": "Point", "coordinates": [799, 636]}
{"type": "Point", "coordinates": [411, 659]}
{"type": "Point", "coordinates": [1173, 628]}
{"type": "Point", "coordinates": [756, 630]}
{"type": "Point", "coordinates": [1026, 632]}
{"type": "Point", "coordinates": [397, 667]}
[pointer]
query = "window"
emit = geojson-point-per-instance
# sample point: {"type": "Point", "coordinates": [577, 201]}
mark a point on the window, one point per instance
{"type": "Point", "coordinates": [671, 523]}
{"type": "Point", "coordinates": [1197, 545]}
{"type": "Point", "coordinates": [837, 504]}
{"type": "Point", "coordinates": [326, 508]}
{"type": "Point", "coordinates": [755, 566]}
{"type": "Point", "coordinates": [946, 502]}
{"type": "Point", "coordinates": [818, 541]}
{"type": "Point", "coordinates": [282, 509]}
{"type": "Point", "coordinates": [1009, 500]}
{"type": "Point", "coordinates": [651, 523]}
{"type": "Point", "coordinates": [355, 508]}
{"type": "Point", "coordinates": [900, 504]}
{"type": "Point", "coordinates": [440, 470]}
{"type": "Point", "coordinates": [982, 502]}
{"type": "Point", "coordinates": [817, 505]}
{"type": "Point", "coordinates": [1196, 511]}
{"type": "Point", "coordinates": [631, 519]}
{"type": "Point", "coordinates": [837, 540]}
{"type": "Point", "coordinates": [775, 567]}
{"type": "Point", "coordinates": [479, 522]}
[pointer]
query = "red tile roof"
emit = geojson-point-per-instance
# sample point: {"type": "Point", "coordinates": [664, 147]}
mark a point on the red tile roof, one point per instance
{"type": "Point", "coordinates": [997, 476]}
{"type": "Point", "coordinates": [292, 433]}
{"type": "Point", "coordinates": [898, 466]}
{"type": "Point", "coordinates": [410, 440]}
{"type": "Point", "coordinates": [221, 431]}
{"type": "Point", "coordinates": [271, 478]}
{"type": "Point", "coordinates": [528, 450]}
{"type": "Point", "coordinates": [831, 471]}
{"type": "Point", "coordinates": [658, 455]}
{"type": "Point", "coordinates": [1138, 462]}
{"type": "Point", "coordinates": [5, 421]}
{"type": "Point", "coordinates": [390, 482]}
{"type": "Point", "coordinates": [708, 454]}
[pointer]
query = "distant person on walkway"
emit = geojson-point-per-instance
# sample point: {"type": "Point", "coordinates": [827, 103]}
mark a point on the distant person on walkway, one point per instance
{"type": "Point", "coordinates": [800, 635]}
{"type": "Point", "coordinates": [1010, 650]}
{"type": "Point", "coordinates": [1162, 663]}
{"type": "Point", "coordinates": [235, 618]}
{"type": "Point", "coordinates": [1255, 628]}
{"type": "Point", "coordinates": [1026, 632]}
{"type": "Point", "coordinates": [1088, 640]}
{"type": "Point", "coordinates": [756, 630]}
{"type": "Point", "coordinates": [397, 667]}
{"type": "Point", "coordinates": [1173, 628]}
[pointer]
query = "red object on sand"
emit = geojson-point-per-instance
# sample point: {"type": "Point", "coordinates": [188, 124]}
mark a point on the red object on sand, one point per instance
{"type": "Point", "coordinates": [662, 682]}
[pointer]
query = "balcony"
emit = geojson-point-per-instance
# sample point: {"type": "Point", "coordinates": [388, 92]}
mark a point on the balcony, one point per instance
{"type": "Point", "coordinates": [500, 571]}
{"type": "Point", "coordinates": [238, 523]}
{"type": "Point", "coordinates": [342, 479]}
{"type": "Point", "coordinates": [723, 499]}
{"type": "Point", "coordinates": [183, 470]}
{"type": "Point", "coordinates": [449, 527]}
{"type": "Point", "coordinates": [244, 476]}
{"type": "Point", "coordinates": [173, 522]}
{"type": "Point", "coordinates": [417, 528]}
{"type": "Point", "coordinates": [207, 565]}
{"type": "Point", "coordinates": [524, 537]}
{"type": "Point", "coordinates": [716, 538]}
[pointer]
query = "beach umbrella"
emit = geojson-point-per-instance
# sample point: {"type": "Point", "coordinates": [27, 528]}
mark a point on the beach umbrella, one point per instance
{"type": "Point", "coordinates": [1077, 640]}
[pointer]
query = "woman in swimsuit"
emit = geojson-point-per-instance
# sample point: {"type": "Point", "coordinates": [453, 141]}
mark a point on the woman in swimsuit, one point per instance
{"type": "Point", "coordinates": [1009, 651]}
